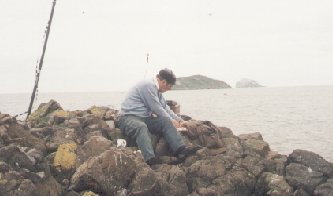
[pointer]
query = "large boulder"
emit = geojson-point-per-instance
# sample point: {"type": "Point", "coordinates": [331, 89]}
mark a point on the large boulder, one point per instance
{"type": "Point", "coordinates": [303, 177]}
{"type": "Point", "coordinates": [104, 113]}
{"type": "Point", "coordinates": [203, 133]}
{"type": "Point", "coordinates": [237, 181]}
{"type": "Point", "coordinates": [19, 135]}
{"type": "Point", "coordinates": [144, 183]}
{"type": "Point", "coordinates": [325, 189]}
{"type": "Point", "coordinates": [41, 117]}
{"type": "Point", "coordinates": [12, 184]}
{"type": "Point", "coordinates": [313, 161]}
{"type": "Point", "coordinates": [202, 173]}
{"type": "Point", "coordinates": [16, 158]}
{"type": "Point", "coordinates": [171, 181]}
{"type": "Point", "coordinates": [94, 146]}
{"type": "Point", "coordinates": [60, 135]}
{"type": "Point", "coordinates": [272, 185]}
{"type": "Point", "coordinates": [254, 145]}
{"type": "Point", "coordinates": [22, 182]}
{"type": "Point", "coordinates": [111, 172]}
{"type": "Point", "coordinates": [233, 147]}
{"type": "Point", "coordinates": [253, 164]}
{"type": "Point", "coordinates": [48, 187]}
{"type": "Point", "coordinates": [276, 163]}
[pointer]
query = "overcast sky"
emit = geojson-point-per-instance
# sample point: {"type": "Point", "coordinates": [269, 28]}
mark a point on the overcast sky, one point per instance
{"type": "Point", "coordinates": [101, 45]}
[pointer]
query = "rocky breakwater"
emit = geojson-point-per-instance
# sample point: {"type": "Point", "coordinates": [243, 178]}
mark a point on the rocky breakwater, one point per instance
{"type": "Point", "coordinates": [59, 152]}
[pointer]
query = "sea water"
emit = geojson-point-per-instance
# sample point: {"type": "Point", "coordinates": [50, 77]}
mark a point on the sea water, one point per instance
{"type": "Point", "coordinates": [288, 118]}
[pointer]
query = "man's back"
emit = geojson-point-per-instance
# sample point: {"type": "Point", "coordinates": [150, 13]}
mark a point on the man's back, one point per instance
{"type": "Point", "coordinates": [138, 98]}
{"type": "Point", "coordinates": [145, 99]}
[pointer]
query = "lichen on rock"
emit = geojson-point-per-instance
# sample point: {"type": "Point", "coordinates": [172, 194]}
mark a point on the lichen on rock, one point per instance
{"type": "Point", "coordinates": [65, 158]}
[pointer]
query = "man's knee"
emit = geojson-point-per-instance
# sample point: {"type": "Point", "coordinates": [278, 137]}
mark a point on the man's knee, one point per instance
{"type": "Point", "coordinates": [133, 128]}
{"type": "Point", "coordinates": [139, 130]}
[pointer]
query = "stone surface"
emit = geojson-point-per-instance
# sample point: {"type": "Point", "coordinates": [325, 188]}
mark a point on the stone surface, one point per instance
{"type": "Point", "coordinates": [109, 172]}
{"type": "Point", "coordinates": [276, 163]}
{"type": "Point", "coordinates": [94, 146]}
{"type": "Point", "coordinates": [171, 181]}
{"type": "Point", "coordinates": [325, 189]}
{"type": "Point", "coordinates": [202, 172]}
{"type": "Point", "coordinates": [255, 147]}
{"type": "Point", "coordinates": [312, 160]}
{"type": "Point", "coordinates": [270, 184]}
{"type": "Point", "coordinates": [41, 117]}
{"type": "Point", "coordinates": [303, 177]}
{"type": "Point", "coordinates": [59, 152]}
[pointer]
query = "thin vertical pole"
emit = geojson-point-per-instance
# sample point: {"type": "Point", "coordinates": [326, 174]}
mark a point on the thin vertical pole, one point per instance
{"type": "Point", "coordinates": [146, 66]}
{"type": "Point", "coordinates": [48, 28]}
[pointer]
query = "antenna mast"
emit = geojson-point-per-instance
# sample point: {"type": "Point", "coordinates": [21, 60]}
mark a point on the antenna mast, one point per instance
{"type": "Point", "coordinates": [47, 32]}
{"type": "Point", "coordinates": [147, 59]}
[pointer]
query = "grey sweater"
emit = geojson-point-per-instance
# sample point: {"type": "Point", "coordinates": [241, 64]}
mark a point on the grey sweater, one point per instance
{"type": "Point", "coordinates": [144, 99]}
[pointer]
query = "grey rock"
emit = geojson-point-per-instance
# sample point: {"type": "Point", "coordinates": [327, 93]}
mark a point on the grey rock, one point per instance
{"type": "Point", "coordinates": [272, 185]}
{"type": "Point", "coordinates": [225, 132]}
{"type": "Point", "coordinates": [42, 116]}
{"type": "Point", "coordinates": [312, 160]}
{"type": "Point", "coordinates": [48, 187]}
{"type": "Point", "coordinates": [255, 147]}
{"type": "Point", "coordinates": [325, 189]}
{"type": "Point", "coordinates": [201, 173]}
{"type": "Point", "coordinates": [143, 183]}
{"type": "Point", "coordinates": [236, 182]}
{"type": "Point", "coordinates": [303, 177]}
{"type": "Point", "coordinates": [233, 147]}
{"type": "Point", "coordinates": [171, 181]}
{"type": "Point", "coordinates": [13, 156]}
{"type": "Point", "coordinates": [301, 192]}
{"type": "Point", "coordinates": [14, 183]}
{"type": "Point", "coordinates": [94, 146]}
{"type": "Point", "coordinates": [253, 164]}
{"type": "Point", "coordinates": [109, 172]}
{"type": "Point", "coordinates": [256, 136]}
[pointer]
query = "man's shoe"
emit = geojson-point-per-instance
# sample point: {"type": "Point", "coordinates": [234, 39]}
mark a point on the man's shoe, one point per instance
{"type": "Point", "coordinates": [187, 151]}
{"type": "Point", "coordinates": [154, 161]}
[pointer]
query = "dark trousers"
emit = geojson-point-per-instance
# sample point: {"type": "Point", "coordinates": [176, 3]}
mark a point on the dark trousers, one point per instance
{"type": "Point", "coordinates": [139, 129]}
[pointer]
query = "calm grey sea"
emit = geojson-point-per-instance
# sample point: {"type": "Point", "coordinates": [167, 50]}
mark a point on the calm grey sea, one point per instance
{"type": "Point", "coordinates": [288, 117]}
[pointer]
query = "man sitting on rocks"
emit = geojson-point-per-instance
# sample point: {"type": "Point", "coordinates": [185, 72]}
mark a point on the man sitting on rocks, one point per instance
{"type": "Point", "coordinates": [145, 111]}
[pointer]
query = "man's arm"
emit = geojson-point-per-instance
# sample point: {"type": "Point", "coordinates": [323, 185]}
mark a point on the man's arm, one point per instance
{"type": "Point", "coordinates": [149, 96]}
{"type": "Point", "coordinates": [169, 111]}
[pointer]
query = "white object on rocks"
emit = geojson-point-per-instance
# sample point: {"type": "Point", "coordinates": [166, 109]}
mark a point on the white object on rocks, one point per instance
{"type": "Point", "coordinates": [137, 151]}
{"type": "Point", "coordinates": [121, 143]}
{"type": "Point", "coordinates": [181, 129]}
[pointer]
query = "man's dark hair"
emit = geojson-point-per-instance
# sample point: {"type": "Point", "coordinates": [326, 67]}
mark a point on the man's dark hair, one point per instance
{"type": "Point", "coordinates": [167, 75]}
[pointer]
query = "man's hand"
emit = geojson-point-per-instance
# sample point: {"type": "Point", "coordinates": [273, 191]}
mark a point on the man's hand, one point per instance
{"type": "Point", "coordinates": [183, 124]}
{"type": "Point", "coordinates": [175, 123]}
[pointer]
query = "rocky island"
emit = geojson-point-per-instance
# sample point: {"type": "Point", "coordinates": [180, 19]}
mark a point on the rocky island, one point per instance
{"type": "Point", "coordinates": [61, 152]}
{"type": "Point", "coordinates": [248, 83]}
{"type": "Point", "coordinates": [196, 82]}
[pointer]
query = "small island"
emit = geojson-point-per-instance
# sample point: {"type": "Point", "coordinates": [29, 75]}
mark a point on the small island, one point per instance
{"type": "Point", "coordinates": [196, 82]}
{"type": "Point", "coordinates": [248, 83]}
